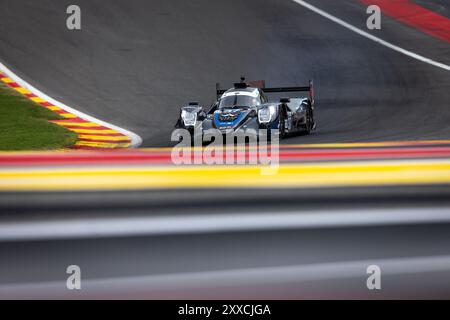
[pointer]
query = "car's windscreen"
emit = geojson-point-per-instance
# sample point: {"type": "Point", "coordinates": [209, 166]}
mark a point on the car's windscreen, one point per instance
{"type": "Point", "coordinates": [238, 101]}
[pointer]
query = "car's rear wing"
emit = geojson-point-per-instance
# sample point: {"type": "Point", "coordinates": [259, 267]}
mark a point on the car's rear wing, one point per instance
{"type": "Point", "coordinates": [261, 85]}
{"type": "Point", "coordinates": [309, 88]}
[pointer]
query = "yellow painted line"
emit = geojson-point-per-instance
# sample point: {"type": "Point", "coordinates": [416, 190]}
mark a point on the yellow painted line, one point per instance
{"type": "Point", "coordinates": [68, 115]}
{"type": "Point", "coordinates": [102, 131]}
{"type": "Point", "coordinates": [22, 90]}
{"type": "Point", "coordinates": [31, 153]}
{"type": "Point", "coordinates": [53, 108]}
{"type": "Point", "coordinates": [105, 138]}
{"type": "Point", "coordinates": [367, 144]}
{"type": "Point", "coordinates": [37, 99]}
{"type": "Point", "coordinates": [331, 145]}
{"type": "Point", "coordinates": [106, 145]}
{"type": "Point", "coordinates": [78, 124]}
{"type": "Point", "coordinates": [169, 149]}
{"type": "Point", "coordinates": [7, 80]}
{"type": "Point", "coordinates": [288, 176]}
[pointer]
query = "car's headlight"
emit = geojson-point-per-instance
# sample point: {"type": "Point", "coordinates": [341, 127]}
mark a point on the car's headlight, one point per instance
{"type": "Point", "coordinates": [189, 118]}
{"type": "Point", "coordinates": [266, 115]}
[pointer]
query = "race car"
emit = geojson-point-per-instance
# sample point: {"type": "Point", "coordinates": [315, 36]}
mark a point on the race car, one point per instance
{"type": "Point", "coordinates": [246, 107]}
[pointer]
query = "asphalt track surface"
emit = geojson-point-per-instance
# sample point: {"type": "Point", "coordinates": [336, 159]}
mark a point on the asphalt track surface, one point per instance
{"type": "Point", "coordinates": [135, 62]}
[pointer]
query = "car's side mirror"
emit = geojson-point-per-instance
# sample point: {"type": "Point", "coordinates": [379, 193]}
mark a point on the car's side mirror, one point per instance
{"type": "Point", "coordinates": [213, 108]}
{"type": "Point", "coordinates": [201, 115]}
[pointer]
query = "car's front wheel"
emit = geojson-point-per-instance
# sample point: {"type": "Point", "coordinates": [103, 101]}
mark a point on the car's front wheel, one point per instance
{"type": "Point", "coordinates": [282, 125]}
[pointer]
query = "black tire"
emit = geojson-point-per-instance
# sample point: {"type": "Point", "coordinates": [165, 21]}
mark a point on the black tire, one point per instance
{"type": "Point", "coordinates": [309, 122]}
{"type": "Point", "coordinates": [282, 125]}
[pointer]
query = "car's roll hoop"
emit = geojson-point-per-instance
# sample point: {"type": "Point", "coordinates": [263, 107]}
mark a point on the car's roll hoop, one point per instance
{"type": "Point", "coordinates": [261, 85]}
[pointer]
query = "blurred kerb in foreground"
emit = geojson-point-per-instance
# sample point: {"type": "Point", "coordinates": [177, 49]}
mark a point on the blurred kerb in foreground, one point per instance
{"type": "Point", "coordinates": [246, 147]}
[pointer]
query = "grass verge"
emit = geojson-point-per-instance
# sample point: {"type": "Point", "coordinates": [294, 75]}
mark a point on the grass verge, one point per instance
{"type": "Point", "coordinates": [24, 124]}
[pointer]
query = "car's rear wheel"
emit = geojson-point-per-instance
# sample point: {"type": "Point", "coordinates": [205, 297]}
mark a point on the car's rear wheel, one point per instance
{"type": "Point", "coordinates": [309, 125]}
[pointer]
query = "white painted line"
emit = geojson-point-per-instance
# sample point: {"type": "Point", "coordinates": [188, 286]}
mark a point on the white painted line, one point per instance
{"type": "Point", "coordinates": [372, 37]}
{"type": "Point", "coordinates": [287, 274]}
{"type": "Point", "coordinates": [233, 222]}
{"type": "Point", "coordinates": [178, 285]}
{"type": "Point", "coordinates": [135, 139]}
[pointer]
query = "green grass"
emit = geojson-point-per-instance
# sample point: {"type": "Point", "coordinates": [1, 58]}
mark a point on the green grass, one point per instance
{"type": "Point", "coordinates": [24, 124]}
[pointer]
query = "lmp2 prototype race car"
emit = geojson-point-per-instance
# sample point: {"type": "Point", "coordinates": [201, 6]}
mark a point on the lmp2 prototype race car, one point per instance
{"type": "Point", "coordinates": [246, 107]}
